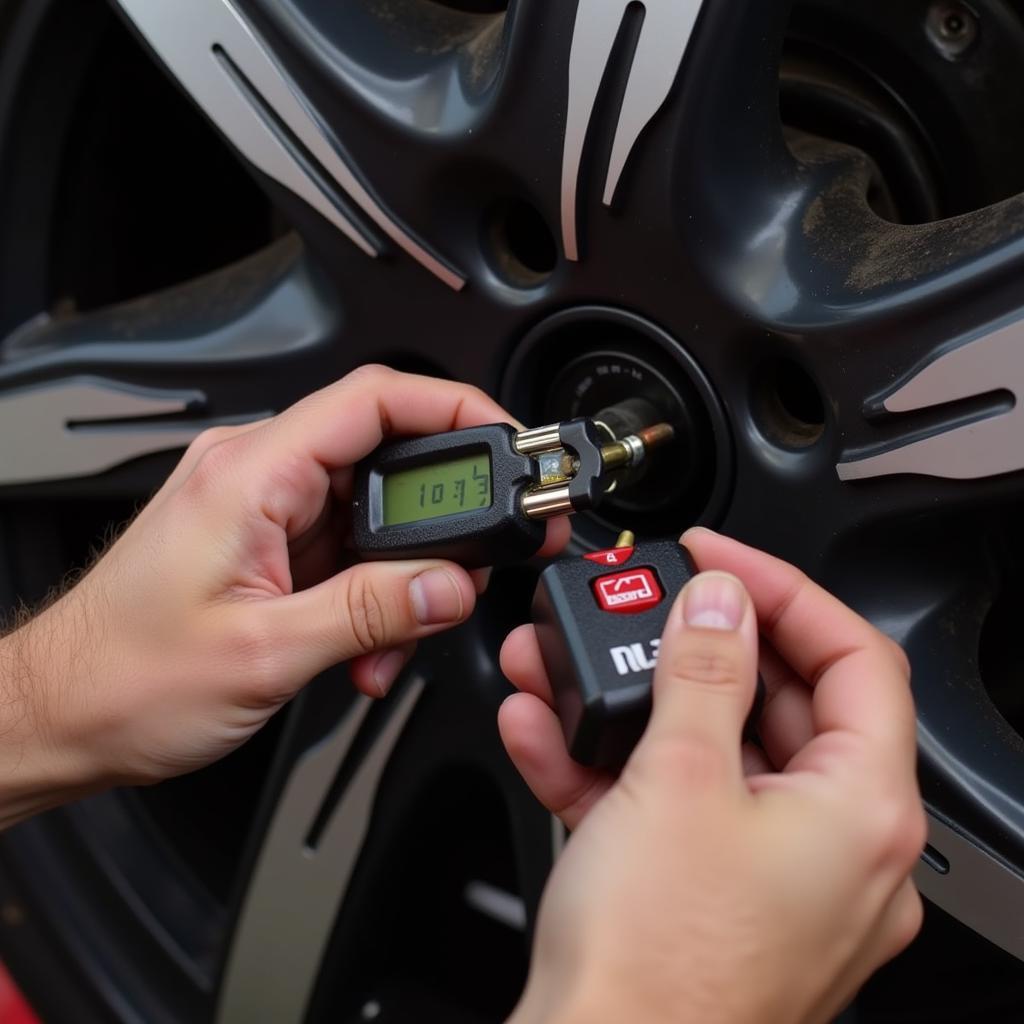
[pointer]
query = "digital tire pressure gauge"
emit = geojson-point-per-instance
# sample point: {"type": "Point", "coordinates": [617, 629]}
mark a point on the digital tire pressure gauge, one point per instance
{"type": "Point", "coordinates": [480, 496]}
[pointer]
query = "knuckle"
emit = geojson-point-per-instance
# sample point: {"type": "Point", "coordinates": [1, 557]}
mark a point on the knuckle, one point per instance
{"type": "Point", "coordinates": [213, 463]}
{"type": "Point", "coordinates": [903, 921]}
{"type": "Point", "coordinates": [896, 831]}
{"type": "Point", "coordinates": [472, 391]}
{"type": "Point", "coordinates": [907, 920]}
{"type": "Point", "coordinates": [712, 665]}
{"type": "Point", "coordinates": [251, 647]}
{"type": "Point", "coordinates": [370, 372]}
{"type": "Point", "coordinates": [206, 440]}
{"type": "Point", "coordinates": [899, 655]}
{"type": "Point", "coordinates": [913, 836]}
{"type": "Point", "coordinates": [887, 821]}
{"type": "Point", "coordinates": [365, 612]}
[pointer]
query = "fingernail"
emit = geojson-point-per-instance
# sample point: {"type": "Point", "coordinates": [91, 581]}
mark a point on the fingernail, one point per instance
{"type": "Point", "coordinates": [436, 598]}
{"type": "Point", "coordinates": [386, 671]}
{"type": "Point", "coordinates": [701, 531]}
{"type": "Point", "coordinates": [714, 600]}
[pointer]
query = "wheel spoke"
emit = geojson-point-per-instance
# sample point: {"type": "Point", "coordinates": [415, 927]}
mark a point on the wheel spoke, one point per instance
{"type": "Point", "coordinates": [88, 393]}
{"type": "Point", "coordinates": [230, 73]}
{"type": "Point", "coordinates": [660, 48]}
{"type": "Point", "coordinates": [723, 85]}
{"type": "Point", "coordinates": [297, 888]}
{"type": "Point", "coordinates": [958, 874]}
{"type": "Point", "coordinates": [980, 441]}
{"type": "Point", "coordinates": [337, 867]}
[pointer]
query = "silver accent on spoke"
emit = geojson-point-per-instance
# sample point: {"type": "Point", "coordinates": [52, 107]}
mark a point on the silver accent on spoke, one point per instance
{"type": "Point", "coordinates": [69, 428]}
{"type": "Point", "coordinates": [559, 837]}
{"type": "Point", "coordinates": [989, 446]}
{"type": "Point", "coordinates": [498, 904]}
{"type": "Point", "coordinates": [225, 68]}
{"type": "Point", "coordinates": [664, 40]}
{"type": "Point", "coordinates": [296, 892]}
{"type": "Point", "coordinates": [978, 890]}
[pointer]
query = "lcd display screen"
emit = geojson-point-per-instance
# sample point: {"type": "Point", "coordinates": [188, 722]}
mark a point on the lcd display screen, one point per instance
{"type": "Point", "coordinates": [440, 489]}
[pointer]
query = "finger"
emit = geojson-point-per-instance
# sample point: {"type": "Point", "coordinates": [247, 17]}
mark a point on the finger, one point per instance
{"type": "Point", "coordinates": [787, 719]}
{"type": "Point", "coordinates": [859, 676]}
{"type": "Point", "coordinates": [375, 674]}
{"type": "Point", "coordinates": [558, 535]}
{"type": "Point", "coordinates": [900, 923]}
{"type": "Point", "coordinates": [523, 665]}
{"type": "Point", "coordinates": [344, 422]}
{"type": "Point", "coordinates": [787, 724]}
{"type": "Point", "coordinates": [895, 928]}
{"type": "Point", "coordinates": [705, 678]}
{"type": "Point", "coordinates": [329, 431]}
{"type": "Point", "coordinates": [315, 555]}
{"type": "Point", "coordinates": [533, 738]}
{"type": "Point", "coordinates": [372, 607]}
{"type": "Point", "coordinates": [755, 762]}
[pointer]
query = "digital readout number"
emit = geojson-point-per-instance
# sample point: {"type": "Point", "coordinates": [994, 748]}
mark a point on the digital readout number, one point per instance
{"type": "Point", "coordinates": [443, 489]}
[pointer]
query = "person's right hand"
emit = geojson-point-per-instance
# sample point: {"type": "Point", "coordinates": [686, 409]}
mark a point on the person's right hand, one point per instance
{"type": "Point", "coordinates": [714, 884]}
{"type": "Point", "coordinates": [226, 595]}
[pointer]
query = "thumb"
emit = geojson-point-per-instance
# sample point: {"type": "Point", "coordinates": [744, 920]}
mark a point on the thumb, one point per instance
{"type": "Point", "coordinates": [707, 671]}
{"type": "Point", "coordinates": [374, 606]}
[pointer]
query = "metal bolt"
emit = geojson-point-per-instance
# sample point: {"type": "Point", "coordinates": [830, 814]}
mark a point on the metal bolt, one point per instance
{"type": "Point", "coordinates": [952, 29]}
{"type": "Point", "coordinates": [630, 451]}
{"type": "Point", "coordinates": [953, 25]}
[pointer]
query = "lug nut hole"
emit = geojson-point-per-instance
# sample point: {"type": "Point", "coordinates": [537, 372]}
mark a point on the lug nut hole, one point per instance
{"type": "Point", "coordinates": [521, 245]}
{"type": "Point", "coordinates": [788, 405]}
{"type": "Point", "coordinates": [951, 29]}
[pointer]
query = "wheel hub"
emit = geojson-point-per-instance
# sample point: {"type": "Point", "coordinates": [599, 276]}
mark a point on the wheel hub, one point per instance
{"type": "Point", "coordinates": [627, 373]}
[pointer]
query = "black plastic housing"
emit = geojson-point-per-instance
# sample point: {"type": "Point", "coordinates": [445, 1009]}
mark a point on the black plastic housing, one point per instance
{"type": "Point", "coordinates": [580, 436]}
{"type": "Point", "coordinates": [499, 535]}
{"type": "Point", "coordinates": [603, 711]}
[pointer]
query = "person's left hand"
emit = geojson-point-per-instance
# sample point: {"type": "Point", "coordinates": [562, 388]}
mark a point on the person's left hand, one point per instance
{"type": "Point", "coordinates": [223, 598]}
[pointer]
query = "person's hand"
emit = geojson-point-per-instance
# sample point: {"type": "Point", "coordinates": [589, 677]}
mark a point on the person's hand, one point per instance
{"type": "Point", "coordinates": [720, 885]}
{"type": "Point", "coordinates": [224, 597]}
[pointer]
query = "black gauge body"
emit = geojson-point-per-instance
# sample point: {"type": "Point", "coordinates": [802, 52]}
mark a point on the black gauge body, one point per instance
{"type": "Point", "coordinates": [425, 477]}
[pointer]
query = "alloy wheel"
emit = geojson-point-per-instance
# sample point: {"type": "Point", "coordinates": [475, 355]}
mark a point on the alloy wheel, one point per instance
{"type": "Point", "coordinates": [795, 228]}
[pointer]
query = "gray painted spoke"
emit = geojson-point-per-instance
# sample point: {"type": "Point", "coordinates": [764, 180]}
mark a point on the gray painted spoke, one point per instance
{"type": "Point", "coordinates": [973, 886]}
{"type": "Point", "coordinates": [990, 362]}
{"type": "Point", "coordinates": [296, 891]}
{"type": "Point", "coordinates": [664, 39]}
{"type": "Point", "coordinates": [84, 394]}
{"type": "Point", "coordinates": [71, 428]}
{"type": "Point", "coordinates": [230, 74]}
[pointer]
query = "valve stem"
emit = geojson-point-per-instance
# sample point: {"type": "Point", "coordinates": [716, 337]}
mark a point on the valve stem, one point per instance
{"type": "Point", "coordinates": [631, 451]}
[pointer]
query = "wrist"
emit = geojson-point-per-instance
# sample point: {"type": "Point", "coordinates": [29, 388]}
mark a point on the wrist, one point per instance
{"type": "Point", "coordinates": [556, 1001]}
{"type": "Point", "coordinates": [612, 999]}
{"type": "Point", "coordinates": [43, 760]}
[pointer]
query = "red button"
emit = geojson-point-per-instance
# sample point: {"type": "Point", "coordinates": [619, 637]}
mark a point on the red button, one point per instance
{"type": "Point", "coordinates": [613, 556]}
{"type": "Point", "coordinates": [626, 593]}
